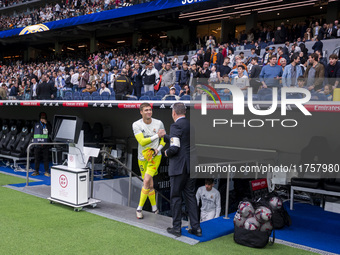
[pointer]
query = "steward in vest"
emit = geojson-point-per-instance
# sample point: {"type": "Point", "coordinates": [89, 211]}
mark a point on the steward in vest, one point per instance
{"type": "Point", "coordinates": [42, 131]}
{"type": "Point", "coordinates": [123, 85]}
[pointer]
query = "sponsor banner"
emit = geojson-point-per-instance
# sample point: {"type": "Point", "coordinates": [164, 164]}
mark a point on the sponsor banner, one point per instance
{"type": "Point", "coordinates": [30, 103]}
{"type": "Point", "coordinates": [75, 104]}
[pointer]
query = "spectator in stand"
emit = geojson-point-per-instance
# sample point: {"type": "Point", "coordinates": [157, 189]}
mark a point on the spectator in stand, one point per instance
{"type": "Point", "coordinates": [89, 88]}
{"type": "Point", "coordinates": [316, 30]}
{"type": "Point", "coordinates": [257, 49]}
{"type": "Point", "coordinates": [254, 74]}
{"type": "Point", "coordinates": [328, 92]}
{"type": "Point", "coordinates": [205, 72]}
{"type": "Point", "coordinates": [103, 89]}
{"type": "Point", "coordinates": [213, 58]}
{"type": "Point", "coordinates": [318, 45]}
{"type": "Point", "coordinates": [34, 88]}
{"type": "Point", "coordinates": [83, 78]}
{"type": "Point", "coordinates": [223, 69]}
{"type": "Point", "coordinates": [301, 82]}
{"type": "Point", "coordinates": [213, 75]}
{"type": "Point", "coordinates": [14, 90]}
{"type": "Point", "coordinates": [241, 80]}
{"type": "Point", "coordinates": [185, 91]}
{"type": "Point", "coordinates": [151, 77]}
{"type": "Point", "coordinates": [44, 90]}
{"type": "Point", "coordinates": [137, 79]}
{"type": "Point", "coordinates": [210, 43]}
{"type": "Point", "coordinates": [220, 58]}
{"type": "Point", "coordinates": [331, 32]}
{"type": "Point", "coordinates": [270, 74]}
{"type": "Point", "coordinates": [168, 76]}
{"type": "Point", "coordinates": [292, 72]}
{"type": "Point", "coordinates": [332, 71]}
{"type": "Point", "coordinates": [283, 63]}
{"type": "Point", "coordinates": [279, 36]}
{"type": "Point", "coordinates": [314, 74]}
{"type": "Point", "coordinates": [184, 75]}
{"type": "Point", "coordinates": [3, 92]}
{"type": "Point", "coordinates": [281, 55]}
{"type": "Point", "coordinates": [322, 60]}
{"type": "Point", "coordinates": [172, 93]}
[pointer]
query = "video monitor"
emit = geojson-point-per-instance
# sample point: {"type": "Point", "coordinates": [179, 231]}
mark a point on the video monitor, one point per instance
{"type": "Point", "coordinates": [66, 128]}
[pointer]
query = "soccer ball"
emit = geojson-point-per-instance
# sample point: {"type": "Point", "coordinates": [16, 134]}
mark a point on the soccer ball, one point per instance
{"type": "Point", "coordinates": [266, 226]}
{"type": "Point", "coordinates": [246, 209]}
{"type": "Point", "coordinates": [275, 203]}
{"type": "Point", "coordinates": [239, 220]}
{"type": "Point", "coordinates": [263, 214]}
{"type": "Point", "coordinates": [251, 224]}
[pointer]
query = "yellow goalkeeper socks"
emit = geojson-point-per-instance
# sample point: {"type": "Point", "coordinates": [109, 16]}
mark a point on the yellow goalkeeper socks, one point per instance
{"type": "Point", "coordinates": [152, 198]}
{"type": "Point", "coordinates": [143, 196]}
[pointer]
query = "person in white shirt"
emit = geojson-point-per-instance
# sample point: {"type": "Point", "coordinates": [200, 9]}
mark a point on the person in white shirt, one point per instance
{"type": "Point", "coordinates": [74, 80]}
{"type": "Point", "coordinates": [211, 201]}
{"type": "Point", "coordinates": [241, 80]}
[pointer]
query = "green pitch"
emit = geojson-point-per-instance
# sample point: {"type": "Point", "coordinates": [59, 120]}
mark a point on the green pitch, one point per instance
{"type": "Point", "coordinates": [31, 225]}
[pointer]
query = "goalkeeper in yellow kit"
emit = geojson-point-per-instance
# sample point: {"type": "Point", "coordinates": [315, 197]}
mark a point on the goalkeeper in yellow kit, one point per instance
{"type": "Point", "coordinates": [149, 133]}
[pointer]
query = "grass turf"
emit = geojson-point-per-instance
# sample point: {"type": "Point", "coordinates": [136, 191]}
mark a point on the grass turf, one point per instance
{"type": "Point", "coordinates": [30, 225]}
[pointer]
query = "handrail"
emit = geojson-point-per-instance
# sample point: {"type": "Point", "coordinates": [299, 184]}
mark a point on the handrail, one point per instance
{"type": "Point", "coordinates": [28, 156]}
{"type": "Point", "coordinates": [130, 171]}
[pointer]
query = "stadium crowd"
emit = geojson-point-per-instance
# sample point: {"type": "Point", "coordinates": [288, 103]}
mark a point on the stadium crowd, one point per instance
{"type": "Point", "coordinates": [153, 75]}
{"type": "Point", "coordinates": [60, 10]}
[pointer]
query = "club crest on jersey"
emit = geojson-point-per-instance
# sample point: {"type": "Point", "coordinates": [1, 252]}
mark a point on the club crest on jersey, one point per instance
{"type": "Point", "coordinates": [154, 130]}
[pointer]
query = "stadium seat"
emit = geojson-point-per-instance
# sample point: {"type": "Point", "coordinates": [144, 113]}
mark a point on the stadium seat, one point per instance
{"type": "Point", "coordinates": [6, 149]}
{"type": "Point", "coordinates": [95, 94]}
{"type": "Point", "coordinates": [144, 98]}
{"type": "Point", "coordinates": [170, 98]}
{"type": "Point", "coordinates": [177, 75]}
{"type": "Point", "coordinates": [166, 89]}
{"type": "Point", "coordinates": [85, 94]}
{"type": "Point", "coordinates": [293, 95]}
{"type": "Point", "coordinates": [86, 98]}
{"type": "Point", "coordinates": [156, 98]}
{"type": "Point", "coordinates": [161, 93]}
{"type": "Point", "coordinates": [105, 96]}
{"type": "Point", "coordinates": [96, 98]}
{"type": "Point", "coordinates": [185, 97]}
{"type": "Point", "coordinates": [78, 98]}
{"type": "Point", "coordinates": [132, 98]}
{"type": "Point", "coordinates": [68, 96]}
{"type": "Point", "coordinates": [149, 93]}
{"type": "Point", "coordinates": [112, 96]}
{"type": "Point", "coordinates": [177, 87]}
{"type": "Point", "coordinates": [76, 94]}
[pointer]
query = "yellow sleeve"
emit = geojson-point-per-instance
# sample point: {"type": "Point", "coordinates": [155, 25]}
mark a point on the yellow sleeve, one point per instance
{"type": "Point", "coordinates": [162, 142]}
{"type": "Point", "coordinates": [141, 140]}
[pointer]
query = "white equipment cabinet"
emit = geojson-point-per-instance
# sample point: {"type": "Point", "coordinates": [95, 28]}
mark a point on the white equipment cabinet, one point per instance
{"type": "Point", "coordinates": [70, 185]}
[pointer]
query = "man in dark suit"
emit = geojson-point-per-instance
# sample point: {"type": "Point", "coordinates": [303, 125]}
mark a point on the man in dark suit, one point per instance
{"type": "Point", "coordinates": [179, 172]}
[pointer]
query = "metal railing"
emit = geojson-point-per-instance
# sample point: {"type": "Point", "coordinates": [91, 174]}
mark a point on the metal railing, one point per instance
{"type": "Point", "coordinates": [28, 157]}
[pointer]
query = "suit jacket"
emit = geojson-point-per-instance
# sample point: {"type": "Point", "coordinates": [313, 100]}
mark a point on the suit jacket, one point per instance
{"type": "Point", "coordinates": [179, 154]}
{"type": "Point", "coordinates": [318, 46]}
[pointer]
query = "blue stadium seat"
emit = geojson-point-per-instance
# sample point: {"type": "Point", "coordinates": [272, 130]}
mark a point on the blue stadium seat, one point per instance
{"type": "Point", "coordinates": [132, 98]}
{"type": "Point", "coordinates": [144, 98]}
{"type": "Point", "coordinates": [112, 96]}
{"type": "Point", "coordinates": [95, 94]}
{"type": "Point", "coordinates": [76, 94]}
{"type": "Point", "coordinates": [161, 93]}
{"type": "Point", "coordinates": [68, 96]}
{"type": "Point", "coordinates": [142, 91]}
{"type": "Point", "coordinates": [105, 96]}
{"type": "Point", "coordinates": [96, 98]}
{"type": "Point", "coordinates": [170, 98]}
{"type": "Point", "coordinates": [225, 98]}
{"type": "Point", "coordinates": [86, 98]}
{"type": "Point", "coordinates": [185, 97]}
{"type": "Point", "coordinates": [156, 98]}
{"type": "Point", "coordinates": [85, 94]}
{"type": "Point", "coordinates": [149, 93]}
{"type": "Point", "coordinates": [177, 87]}
{"type": "Point", "coordinates": [78, 98]}
{"type": "Point", "coordinates": [293, 95]}
{"type": "Point", "coordinates": [166, 89]}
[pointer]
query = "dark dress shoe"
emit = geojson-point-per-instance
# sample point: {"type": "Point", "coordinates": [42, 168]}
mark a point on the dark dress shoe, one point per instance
{"type": "Point", "coordinates": [174, 232]}
{"type": "Point", "coordinates": [196, 232]}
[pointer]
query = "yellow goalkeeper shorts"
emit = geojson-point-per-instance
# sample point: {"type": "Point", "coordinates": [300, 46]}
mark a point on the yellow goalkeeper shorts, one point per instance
{"type": "Point", "coordinates": [150, 168]}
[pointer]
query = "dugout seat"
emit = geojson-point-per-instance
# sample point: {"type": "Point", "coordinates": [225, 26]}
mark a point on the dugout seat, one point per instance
{"type": "Point", "coordinates": [316, 152]}
{"type": "Point", "coordinates": [332, 183]}
{"type": "Point", "coordinates": [4, 135]}
{"type": "Point", "coordinates": [11, 141]}
{"type": "Point", "coordinates": [25, 140]}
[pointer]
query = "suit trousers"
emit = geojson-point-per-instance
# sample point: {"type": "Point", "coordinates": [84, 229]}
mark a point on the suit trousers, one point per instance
{"type": "Point", "coordinates": [183, 185]}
